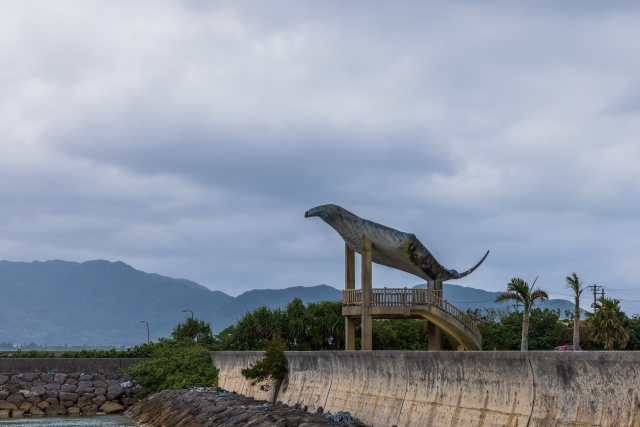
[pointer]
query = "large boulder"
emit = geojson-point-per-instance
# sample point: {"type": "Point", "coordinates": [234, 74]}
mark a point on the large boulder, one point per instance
{"type": "Point", "coordinates": [112, 382]}
{"type": "Point", "coordinates": [4, 394]}
{"type": "Point", "coordinates": [43, 405]}
{"type": "Point", "coordinates": [68, 388]}
{"type": "Point", "coordinates": [71, 381]}
{"type": "Point", "coordinates": [53, 393]}
{"type": "Point", "coordinates": [82, 402]}
{"type": "Point", "coordinates": [35, 411]}
{"type": "Point", "coordinates": [38, 382]}
{"type": "Point", "coordinates": [114, 392]}
{"type": "Point", "coordinates": [52, 400]}
{"type": "Point", "coordinates": [111, 407]}
{"type": "Point", "coordinates": [11, 388]}
{"type": "Point", "coordinates": [25, 386]}
{"type": "Point", "coordinates": [4, 413]}
{"type": "Point", "coordinates": [33, 399]}
{"type": "Point", "coordinates": [28, 393]}
{"type": "Point", "coordinates": [54, 386]}
{"type": "Point", "coordinates": [17, 413]}
{"type": "Point", "coordinates": [30, 377]}
{"type": "Point", "coordinates": [46, 377]}
{"type": "Point", "coordinates": [39, 389]}
{"type": "Point", "coordinates": [60, 378]}
{"type": "Point", "coordinates": [85, 387]}
{"type": "Point", "coordinates": [100, 383]}
{"type": "Point", "coordinates": [16, 399]}
{"type": "Point", "coordinates": [67, 397]}
{"type": "Point", "coordinates": [7, 405]}
{"type": "Point", "coordinates": [67, 403]}
{"type": "Point", "coordinates": [25, 406]}
{"type": "Point", "coordinates": [73, 411]}
{"type": "Point", "coordinates": [100, 391]}
{"type": "Point", "coordinates": [85, 377]}
{"type": "Point", "coordinates": [99, 400]}
{"type": "Point", "coordinates": [54, 410]}
{"type": "Point", "coordinates": [15, 379]}
{"type": "Point", "coordinates": [89, 409]}
{"type": "Point", "coordinates": [113, 376]}
{"type": "Point", "coordinates": [4, 379]}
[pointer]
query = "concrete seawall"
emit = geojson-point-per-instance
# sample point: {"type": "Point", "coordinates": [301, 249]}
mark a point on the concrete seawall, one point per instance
{"type": "Point", "coordinates": [385, 388]}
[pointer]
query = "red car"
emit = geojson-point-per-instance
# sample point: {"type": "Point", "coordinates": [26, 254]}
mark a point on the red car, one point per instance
{"type": "Point", "coordinates": [566, 348]}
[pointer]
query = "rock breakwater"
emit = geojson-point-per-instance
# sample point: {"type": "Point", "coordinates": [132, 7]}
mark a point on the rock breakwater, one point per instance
{"type": "Point", "coordinates": [217, 408]}
{"type": "Point", "coordinates": [40, 394]}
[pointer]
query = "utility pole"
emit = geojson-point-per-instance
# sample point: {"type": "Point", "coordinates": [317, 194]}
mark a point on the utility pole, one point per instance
{"type": "Point", "coordinates": [595, 288]}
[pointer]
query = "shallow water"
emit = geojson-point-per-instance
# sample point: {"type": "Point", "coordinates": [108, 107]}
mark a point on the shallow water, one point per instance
{"type": "Point", "coordinates": [94, 421]}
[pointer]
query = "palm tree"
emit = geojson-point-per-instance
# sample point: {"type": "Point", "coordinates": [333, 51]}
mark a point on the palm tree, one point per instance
{"type": "Point", "coordinates": [608, 323]}
{"type": "Point", "coordinates": [574, 284]}
{"type": "Point", "coordinates": [518, 290]}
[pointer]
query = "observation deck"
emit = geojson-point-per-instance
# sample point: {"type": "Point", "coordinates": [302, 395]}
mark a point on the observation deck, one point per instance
{"type": "Point", "coordinates": [411, 303]}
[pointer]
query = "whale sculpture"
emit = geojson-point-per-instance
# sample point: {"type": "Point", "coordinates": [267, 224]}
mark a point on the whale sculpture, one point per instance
{"type": "Point", "coordinates": [391, 248]}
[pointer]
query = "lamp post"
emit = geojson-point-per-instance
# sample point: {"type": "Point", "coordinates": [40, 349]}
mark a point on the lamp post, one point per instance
{"type": "Point", "coordinates": [148, 337]}
{"type": "Point", "coordinates": [184, 311]}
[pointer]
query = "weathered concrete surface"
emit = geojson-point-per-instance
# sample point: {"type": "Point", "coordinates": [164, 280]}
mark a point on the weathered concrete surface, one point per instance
{"type": "Point", "coordinates": [586, 388]}
{"type": "Point", "coordinates": [19, 365]}
{"type": "Point", "coordinates": [231, 364]}
{"type": "Point", "coordinates": [535, 389]}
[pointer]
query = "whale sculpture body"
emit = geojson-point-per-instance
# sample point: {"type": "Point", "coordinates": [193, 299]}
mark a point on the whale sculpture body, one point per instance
{"type": "Point", "coordinates": [391, 248]}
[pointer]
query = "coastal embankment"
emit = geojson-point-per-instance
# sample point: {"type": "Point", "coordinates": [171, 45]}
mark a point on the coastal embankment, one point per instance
{"type": "Point", "coordinates": [189, 408]}
{"type": "Point", "coordinates": [415, 388]}
{"type": "Point", "coordinates": [53, 387]}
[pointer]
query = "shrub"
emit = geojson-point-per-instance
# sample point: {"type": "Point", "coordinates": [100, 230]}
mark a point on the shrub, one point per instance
{"type": "Point", "coordinates": [175, 367]}
{"type": "Point", "coordinates": [273, 366]}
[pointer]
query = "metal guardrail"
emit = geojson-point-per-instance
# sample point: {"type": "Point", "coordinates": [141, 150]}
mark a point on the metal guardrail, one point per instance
{"type": "Point", "coordinates": [403, 297]}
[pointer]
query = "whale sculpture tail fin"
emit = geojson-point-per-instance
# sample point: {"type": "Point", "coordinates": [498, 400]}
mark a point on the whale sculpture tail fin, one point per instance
{"type": "Point", "coordinates": [466, 273]}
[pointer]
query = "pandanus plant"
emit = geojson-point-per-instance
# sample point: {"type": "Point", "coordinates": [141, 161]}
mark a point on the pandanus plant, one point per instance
{"type": "Point", "coordinates": [518, 290]}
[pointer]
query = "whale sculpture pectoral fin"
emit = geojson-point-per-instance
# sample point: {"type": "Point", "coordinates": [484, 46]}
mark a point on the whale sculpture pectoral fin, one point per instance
{"type": "Point", "coordinates": [466, 273]}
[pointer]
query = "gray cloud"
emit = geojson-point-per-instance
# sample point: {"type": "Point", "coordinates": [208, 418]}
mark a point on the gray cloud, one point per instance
{"type": "Point", "coordinates": [189, 138]}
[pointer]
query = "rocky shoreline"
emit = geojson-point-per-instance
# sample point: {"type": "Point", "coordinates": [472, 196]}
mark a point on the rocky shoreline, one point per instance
{"type": "Point", "coordinates": [193, 408]}
{"type": "Point", "coordinates": [54, 394]}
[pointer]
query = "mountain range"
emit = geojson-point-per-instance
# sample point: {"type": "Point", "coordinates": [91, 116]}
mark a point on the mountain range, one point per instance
{"type": "Point", "coordinates": [102, 302]}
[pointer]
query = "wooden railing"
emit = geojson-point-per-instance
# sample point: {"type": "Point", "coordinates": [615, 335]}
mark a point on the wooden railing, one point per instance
{"type": "Point", "coordinates": [400, 297]}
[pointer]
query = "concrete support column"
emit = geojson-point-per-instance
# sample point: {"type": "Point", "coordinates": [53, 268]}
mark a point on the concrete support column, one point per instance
{"type": "Point", "coordinates": [435, 339]}
{"type": "Point", "coordinates": [367, 326]}
{"type": "Point", "coordinates": [349, 283]}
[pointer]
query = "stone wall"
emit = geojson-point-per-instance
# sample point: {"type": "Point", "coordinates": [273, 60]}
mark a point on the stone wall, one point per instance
{"type": "Point", "coordinates": [385, 388]}
{"type": "Point", "coordinates": [83, 392]}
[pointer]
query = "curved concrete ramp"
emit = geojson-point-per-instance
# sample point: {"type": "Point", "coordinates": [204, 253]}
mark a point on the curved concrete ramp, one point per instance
{"type": "Point", "coordinates": [410, 303]}
{"type": "Point", "coordinates": [443, 389]}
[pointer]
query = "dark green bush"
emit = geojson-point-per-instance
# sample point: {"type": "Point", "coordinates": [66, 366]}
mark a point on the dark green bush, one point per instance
{"type": "Point", "coordinates": [272, 366]}
{"type": "Point", "coordinates": [176, 367]}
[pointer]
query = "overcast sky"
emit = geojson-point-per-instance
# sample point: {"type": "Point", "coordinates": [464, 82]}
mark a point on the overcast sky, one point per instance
{"type": "Point", "coordinates": [189, 138]}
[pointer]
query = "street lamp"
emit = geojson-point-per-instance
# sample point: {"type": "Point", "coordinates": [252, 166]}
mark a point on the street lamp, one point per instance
{"type": "Point", "coordinates": [148, 338]}
{"type": "Point", "coordinates": [184, 311]}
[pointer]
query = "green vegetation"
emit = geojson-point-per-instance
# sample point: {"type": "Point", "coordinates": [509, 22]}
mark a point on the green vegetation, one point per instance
{"type": "Point", "coordinates": [179, 362]}
{"type": "Point", "coordinates": [519, 291]}
{"type": "Point", "coordinates": [176, 367]}
{"type": "Point", "coordinates": [608, 323]}
{"type": "Point", "coordinates": [272, 367]}
{"type": "Point", "coordinates": [573, 283]}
